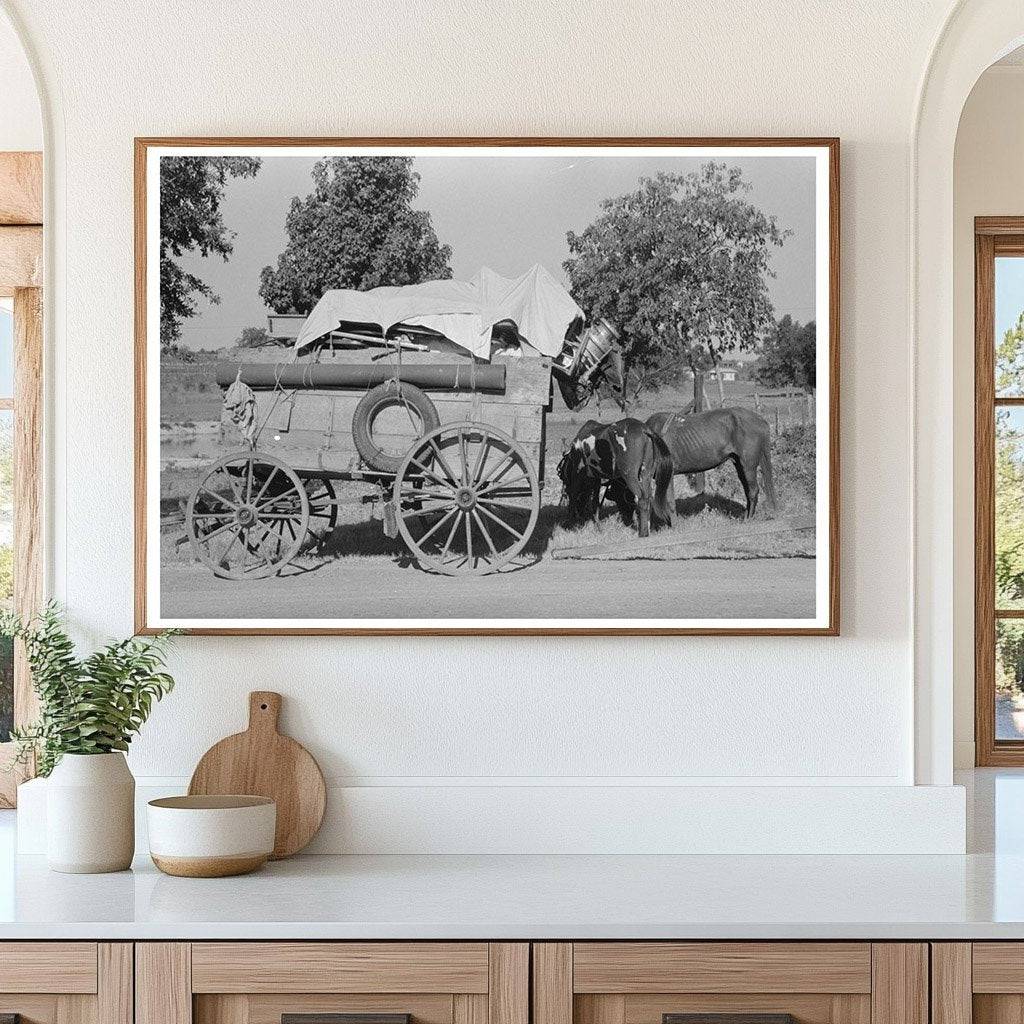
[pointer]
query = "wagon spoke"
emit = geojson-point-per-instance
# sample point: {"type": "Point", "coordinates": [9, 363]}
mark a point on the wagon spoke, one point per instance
{"type": "Point", "coordinates": [483, 529]}
{"type": "Point", "coordinates": [207, 537]}
{"type": "Point", "coordinates": [266, 484]}
{"type": "Point", "coordinates": [223, 516]}
{"type": "Point", "coordinates": [481, 457]}
{"type": "Point", "coordinates": [494, 475]}
{"type": "Point", "coordinates": [220, 497]}
{"type": "Point", "coordinates": [274, 498]}
{"type": "Point", "coordinates": [502, 484]}
{"type": "Point", "coordinates": [464, 459]}
{"type": "Point", "coordinates": [444, 519]}
{"type": "Point", "coordinates": [501, 522]}
{"type": "Point", "coordinates": [234, 541]}
{"type": "Point", "coordinates": [426, 472]}
{"type": "Point", "coordinates": [504, 504]}
{"type": "Point", "coordinates": [424, 492]}
{"type": "Point", "coordinates": [451, 537]}
{"type": "Point", "coordinates": [469, 537]}
{"type": "Point", "coordinates": [249, 466]}
{"type": "Point", "coordinates": [444, 465]}
{"type": "Point", "coordinates": [233, 483]}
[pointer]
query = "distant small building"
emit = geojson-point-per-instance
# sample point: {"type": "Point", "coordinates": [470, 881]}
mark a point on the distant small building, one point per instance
{"type": "Point", "coordinates": [726, 372]}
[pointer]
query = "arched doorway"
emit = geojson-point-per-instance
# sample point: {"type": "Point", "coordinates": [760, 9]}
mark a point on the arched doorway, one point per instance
{"type": "Point", "coordinates": [976, 33]}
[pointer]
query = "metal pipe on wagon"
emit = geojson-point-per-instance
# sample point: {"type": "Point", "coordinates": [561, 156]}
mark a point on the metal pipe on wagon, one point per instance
{"type": "Point", "coordinates": [360, 376]}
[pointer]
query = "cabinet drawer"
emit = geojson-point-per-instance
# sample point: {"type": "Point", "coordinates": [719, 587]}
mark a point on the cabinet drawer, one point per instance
{"type": "Point", "coordinates": [634, 967]}
{"type": "Point", "coordinates": [66, 982]}
{"type": "Point", "coordinates": [735, 982]}
{"type": "Point", "coordinates": [340, 967]}
{"type": "Point", "coordinates": [263, 982]}
{"type": "Point", "coordinates": [48, 967]}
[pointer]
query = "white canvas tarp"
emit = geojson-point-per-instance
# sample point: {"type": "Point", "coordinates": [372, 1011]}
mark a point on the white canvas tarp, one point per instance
{"type": "Point", "coordinates": [463, 311]}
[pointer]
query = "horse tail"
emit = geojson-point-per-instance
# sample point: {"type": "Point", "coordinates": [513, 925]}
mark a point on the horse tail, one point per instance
{"type": "Point", "coordinates": [663, 472]}
{"type": "Point", "coordinates": [767, 481]}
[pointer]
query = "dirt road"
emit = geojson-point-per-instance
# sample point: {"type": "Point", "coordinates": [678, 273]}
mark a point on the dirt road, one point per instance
{"type": "Point", "coordinates": [383, 588]}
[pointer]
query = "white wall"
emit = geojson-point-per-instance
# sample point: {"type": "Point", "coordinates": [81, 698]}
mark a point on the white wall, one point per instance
{"type": "Point", "coordinates": [21, 125]}
{"type": "Point", "coordinates": [988, 181]}
{"type": "Point", "coordinates": [444, 713]}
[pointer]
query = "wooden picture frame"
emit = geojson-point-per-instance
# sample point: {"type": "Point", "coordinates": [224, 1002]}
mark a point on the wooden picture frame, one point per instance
{"type": "Point", "coordinates": [825, 621]}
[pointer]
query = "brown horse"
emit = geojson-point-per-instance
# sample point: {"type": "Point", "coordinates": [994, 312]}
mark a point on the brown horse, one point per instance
{"type": "Point", "coordinates": [630, 463]}
{"type": "Point", "coordinates": [704, 440]}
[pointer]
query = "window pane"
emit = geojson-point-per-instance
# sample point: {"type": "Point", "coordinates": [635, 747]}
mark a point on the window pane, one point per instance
{"type": "Point", "coordinates": [1009, 325]}
{"type": "Point", "coordinates": [1009, 679]}
{"type": "Point", "coordinates": [6, 567]}
{"type": "Point", "coordinates": [1009, 511]}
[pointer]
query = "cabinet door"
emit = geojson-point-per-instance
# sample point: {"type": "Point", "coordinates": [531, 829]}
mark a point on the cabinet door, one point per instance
{"type": "Point", "coordinates": [737, 982]}
{"type": "Point", "coordinates": [66, 982]}
{"type": "Point", "coordinates": [332, 983]}
{"type": "Point", "coordinates": [981, 982]}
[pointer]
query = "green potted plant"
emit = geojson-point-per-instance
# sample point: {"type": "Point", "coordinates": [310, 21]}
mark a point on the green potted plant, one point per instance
{"type": "Point", "coordinates": [89, 710]}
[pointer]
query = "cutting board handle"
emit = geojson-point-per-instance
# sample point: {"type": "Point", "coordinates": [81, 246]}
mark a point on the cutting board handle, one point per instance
{"type": "Point", "coordinates": [264, 710]}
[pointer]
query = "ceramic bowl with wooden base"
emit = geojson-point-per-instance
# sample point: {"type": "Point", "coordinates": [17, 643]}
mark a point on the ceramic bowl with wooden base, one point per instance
{"type": "Point", "coordinates": [211, 836]}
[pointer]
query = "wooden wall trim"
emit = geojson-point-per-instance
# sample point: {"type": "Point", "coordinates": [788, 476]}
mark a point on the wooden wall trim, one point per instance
{"type": "Point", "coordinates": [984, 500]}
{"type": "Point", "coordinates": [951, 983]}
{"type": "Point", "coordinates": [899, 983]}
{"type": "Point", "coordinates": [508, 988]}
{"type": "Point", "coordinates": [163, 983]}
{"type": "Point", "coordinates": [552, 983]}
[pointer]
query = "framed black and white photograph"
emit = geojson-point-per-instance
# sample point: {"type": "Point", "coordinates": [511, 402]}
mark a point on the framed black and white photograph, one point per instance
{"type": "Point", "coordinates": [487, 386]}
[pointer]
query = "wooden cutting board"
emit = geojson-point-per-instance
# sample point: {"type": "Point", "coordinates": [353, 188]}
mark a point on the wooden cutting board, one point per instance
{"type": "Point", "coordinates": [262, 762]}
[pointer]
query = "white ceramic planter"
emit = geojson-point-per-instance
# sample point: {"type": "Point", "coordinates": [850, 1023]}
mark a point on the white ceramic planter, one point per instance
{"type": "Point", "coordinates": [90, 814]}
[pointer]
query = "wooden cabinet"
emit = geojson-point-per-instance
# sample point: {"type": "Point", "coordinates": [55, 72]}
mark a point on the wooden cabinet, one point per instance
{"type": "Point", "coordinates": [260, 982]}
{"type": "Point", "coordinates": [979, 982]}
{"type": "Point", "coordinates": [66, 982]}
{"type": "Point", "coordinates": [646, 982]}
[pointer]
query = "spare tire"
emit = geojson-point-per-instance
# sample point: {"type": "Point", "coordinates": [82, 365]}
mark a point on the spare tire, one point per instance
{"type": "Point", "coordinates": [384, 396]}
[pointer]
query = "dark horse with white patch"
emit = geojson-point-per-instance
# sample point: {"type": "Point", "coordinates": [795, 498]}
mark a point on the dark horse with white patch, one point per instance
{"type": "Point", "coordinates": [704, 440]}
{"type": "Point", "coordinates": [626, 461]}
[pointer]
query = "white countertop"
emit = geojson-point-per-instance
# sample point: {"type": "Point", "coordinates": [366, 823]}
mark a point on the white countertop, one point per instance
{"type": "Point", "coordinates": [532, 897]}
{"type": "Point", "coordinates": [978, 896]}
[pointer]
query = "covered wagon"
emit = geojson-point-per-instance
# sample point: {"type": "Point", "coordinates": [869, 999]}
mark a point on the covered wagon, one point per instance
{"type": "Point", "coordinates": [431, 396]}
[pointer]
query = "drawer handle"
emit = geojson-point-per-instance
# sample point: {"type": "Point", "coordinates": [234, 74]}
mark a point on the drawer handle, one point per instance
{"type": "Point", "coordinates": [728, 1018]}
{"type": "Point", "coordinates": [340, 1018]}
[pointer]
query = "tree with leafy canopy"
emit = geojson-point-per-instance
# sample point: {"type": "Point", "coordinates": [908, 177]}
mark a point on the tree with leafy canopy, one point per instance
{"type": "Point", "coordinates": [789, 355]}
{"type": "Point", "coordinates": [191, 193]}
{"type": "Point", "coordinates": [1009, 505]}
{"type": "Point", "coordinates": [1009, 470]}
{"type": "Point", "coordinates": [356, 229]}
{"type": "Point", "coordinates": [681, 267]}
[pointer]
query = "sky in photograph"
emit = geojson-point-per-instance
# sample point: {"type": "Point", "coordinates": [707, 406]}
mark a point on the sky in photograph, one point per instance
{"type": "Point", "coordinates": [501, 212]}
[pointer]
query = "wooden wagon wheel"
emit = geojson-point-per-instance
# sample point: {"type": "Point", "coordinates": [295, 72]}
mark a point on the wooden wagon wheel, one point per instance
{"type": "Point", "coordinates": [467, 499]}
{"type": "Point", "coordinates": [323, 507]}
{"type": "Point", "coordinates": [248, 517]}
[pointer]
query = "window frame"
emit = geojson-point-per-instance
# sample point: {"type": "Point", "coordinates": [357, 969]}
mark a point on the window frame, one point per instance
{"type": "Point", "coordinates": [993, 237]}
{"type": "Point", "coordinates": [21, 263]}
